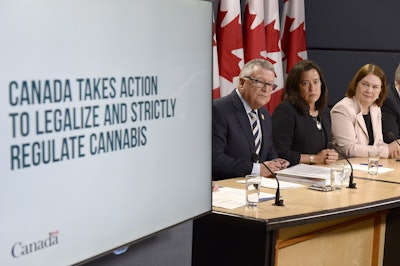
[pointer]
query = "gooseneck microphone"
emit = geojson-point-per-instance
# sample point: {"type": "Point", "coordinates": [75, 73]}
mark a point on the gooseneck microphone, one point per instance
{"type": "Point", "coordinates": [278, 200]}
{"type": "Point", "coordinates": [351, 183]}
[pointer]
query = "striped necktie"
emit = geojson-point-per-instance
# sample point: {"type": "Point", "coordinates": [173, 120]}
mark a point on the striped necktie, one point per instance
{"type": "Point", "coordinates": [256, 133]}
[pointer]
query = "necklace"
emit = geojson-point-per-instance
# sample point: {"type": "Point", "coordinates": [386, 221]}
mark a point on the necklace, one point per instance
{"type": "Point", "coordinates": [317, 123]}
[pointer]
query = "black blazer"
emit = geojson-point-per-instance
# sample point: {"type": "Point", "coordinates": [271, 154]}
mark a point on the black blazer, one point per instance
{"type": "Point", "coordinates": [391, 115]}
{"type": "Point", "coordinates": [295, 133]}
{"type": "Point", "coordinates": [233, 140]}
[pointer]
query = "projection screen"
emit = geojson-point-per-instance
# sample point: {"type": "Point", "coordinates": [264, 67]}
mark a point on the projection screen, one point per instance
{"type": "Point", "coordinates": [105, 124]}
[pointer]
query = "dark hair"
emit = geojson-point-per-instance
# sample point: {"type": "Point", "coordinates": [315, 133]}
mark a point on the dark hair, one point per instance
{"type": "Point", "coordinates": [361, 73]}
{"type": "Point", "coordinates": [291, 91]}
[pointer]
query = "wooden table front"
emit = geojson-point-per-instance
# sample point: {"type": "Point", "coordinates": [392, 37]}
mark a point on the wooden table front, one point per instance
{"type": "Point", "coordinates": [342, 227]}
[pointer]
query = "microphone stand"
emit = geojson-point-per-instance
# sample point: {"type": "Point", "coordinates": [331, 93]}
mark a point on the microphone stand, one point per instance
{"type": "Point", "coordinates": [351, 183]}
{"type": "Point", "coordinates": [278, 200]}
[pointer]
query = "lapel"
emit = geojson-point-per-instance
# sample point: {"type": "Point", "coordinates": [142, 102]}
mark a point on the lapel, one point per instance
{"type": "Point", "coordinates": [361, 123]}
{"type": "Point", "coordinates": [325, 125]}
{"type": "Point", "coordinates": [359, 117]}
{"type": "Point", "coordinates": [261, 117]}
{"type": "Point", "coordinates": [243, 119]}
{"type": "Point", "coordinates": [374, 112]}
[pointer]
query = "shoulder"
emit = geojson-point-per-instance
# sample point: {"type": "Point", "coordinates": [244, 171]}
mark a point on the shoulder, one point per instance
{"type": "Point", "coordinates": [392, 99]}
{"type": "Point", "coordinates": [345, 101]}
{"type": "Point", "coordinates": [389, 105]}
{"type": "Point", "coordinates": [223, 100]}
{"type": "Point", "coordinates": [345, 104]}
{"type": "Point", "coordinates": [227, 101]}
{"type": "Point", "coordinates": [285, 107]}
{"type": "Point", "coordinates": [391, 92]}
{"type": "Point", "coordinates": [375, 109]}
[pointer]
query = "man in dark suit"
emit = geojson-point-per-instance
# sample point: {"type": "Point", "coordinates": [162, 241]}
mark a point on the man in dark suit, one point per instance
{"type": "Point", "coordinates": [233, 139]}
{"type": "Point", "coordinates": [391, 111]}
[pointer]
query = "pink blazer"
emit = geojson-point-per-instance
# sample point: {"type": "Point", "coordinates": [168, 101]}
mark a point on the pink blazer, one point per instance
{"type": "Point", "coordinates": [350, 132]}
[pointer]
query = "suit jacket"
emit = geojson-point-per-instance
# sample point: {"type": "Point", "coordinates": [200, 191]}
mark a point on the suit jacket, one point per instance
{"type": "Point", "coordinates": [233, 140]}
{"type": "Point", "coordinates": [391, 115]}
{"type": "Point", "coordinates": [350, 132]}
{"type": "Point", "coordinates": [295, 133]}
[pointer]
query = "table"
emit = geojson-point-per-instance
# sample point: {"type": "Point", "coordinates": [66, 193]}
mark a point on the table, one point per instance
{"type": "Point", "coordinates": [344, 227]}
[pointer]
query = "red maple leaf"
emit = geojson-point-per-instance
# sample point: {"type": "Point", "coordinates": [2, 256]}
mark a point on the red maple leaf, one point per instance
{"type": "Point", "coordinates": [227, 41]}
{"type": "Point", "coordinates": [293, 42]}
{"type": "Point", "coordinates": [254, 42]}
{"type": "Point", "coordinates": [272, 38]}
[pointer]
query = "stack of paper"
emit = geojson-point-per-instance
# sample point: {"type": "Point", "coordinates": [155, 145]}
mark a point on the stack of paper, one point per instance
{"type": "Point", "coordinates": [271, 183]}
{"type": "Point", "coordinates": [304, 173]}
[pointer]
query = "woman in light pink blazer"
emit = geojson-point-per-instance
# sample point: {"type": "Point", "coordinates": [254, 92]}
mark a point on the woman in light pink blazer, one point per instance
{"type": "Point", "coordinates": [356, 119]}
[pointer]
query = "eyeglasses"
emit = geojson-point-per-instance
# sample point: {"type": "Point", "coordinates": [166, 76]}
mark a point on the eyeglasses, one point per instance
{"type": "Point", "coordinates": [366, 85]}
{"type": "Point", "coordinates": [306, 83]}
{"type": "Point", "coordinates": [261, 84]}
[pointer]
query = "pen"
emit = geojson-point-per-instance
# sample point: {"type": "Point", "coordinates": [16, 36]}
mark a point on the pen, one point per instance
{"type": "Point", "coordinates": [367, 164]}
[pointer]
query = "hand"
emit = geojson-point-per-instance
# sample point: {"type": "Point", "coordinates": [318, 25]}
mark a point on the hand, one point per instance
{"type": "Point", "coordinates": [283, 162]}
{"type": "Point", "coordinates": [394, 149]}
{"type": "Point", "coordinates": [331, 156]}
{"type": "Point", "coordinates": [214, 186]}
{"type": "Point", "coordinates": [273, 165]}
{"type": "Point", "coordinates": [327, 156]}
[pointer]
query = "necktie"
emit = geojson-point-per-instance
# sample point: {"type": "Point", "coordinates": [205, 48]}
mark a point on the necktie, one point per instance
{"type": "Point", "coordinates": [256, 129]}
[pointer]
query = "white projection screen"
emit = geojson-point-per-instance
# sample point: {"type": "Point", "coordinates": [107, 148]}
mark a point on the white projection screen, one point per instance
{"type": "Point", "coordinates": [105, 124]}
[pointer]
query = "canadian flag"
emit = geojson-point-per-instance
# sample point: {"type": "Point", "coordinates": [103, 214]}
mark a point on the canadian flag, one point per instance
{"type": "Point", "coordinates": [261, 39]}
{"type": "Point", "coordinates": [216, 90]}
{"type": "Point", "coordinates": [293, 33]}
{"type": "Point", "coordinates": [274, 54]}
{"type": "Point", "coordinates": [254, 45]}
{"type": "Point", "coordinates": [230, 44]}
{"type": "Point", "coordinates": [262, 36]}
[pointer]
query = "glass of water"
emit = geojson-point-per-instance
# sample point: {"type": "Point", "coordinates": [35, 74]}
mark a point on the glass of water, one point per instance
{"type": "Point", "coordinates": [337, 175]}
{"type": "Point", "coordinates": [253, 186]}
{"type": "Point", "coordinates": [373, 160]}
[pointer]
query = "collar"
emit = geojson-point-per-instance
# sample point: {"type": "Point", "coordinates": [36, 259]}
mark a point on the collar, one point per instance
{"type": "Point", "coordinates": [245, 104]}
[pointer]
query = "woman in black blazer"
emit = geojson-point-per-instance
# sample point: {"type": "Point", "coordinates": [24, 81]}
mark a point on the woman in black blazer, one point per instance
{"type": "Point", "coordinates": [301, 124]}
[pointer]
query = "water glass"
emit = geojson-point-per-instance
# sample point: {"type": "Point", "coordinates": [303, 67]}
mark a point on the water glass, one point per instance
{"type": "Point", "coordinates": [337, 175]}
{"type": "Point", "coordinates": [253, 186]}
{"type": "Point", "coordinates": [373, 160]}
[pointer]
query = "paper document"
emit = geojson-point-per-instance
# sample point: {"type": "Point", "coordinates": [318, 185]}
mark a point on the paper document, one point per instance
{"type": "Point", "coordinates": [364, 168]}
{"type": "Point", "coordinates": [305, 173]}
{"type": "Point", "coordinates": [271, 183]}
{"type": "Point", "coordinates": [231, 198]}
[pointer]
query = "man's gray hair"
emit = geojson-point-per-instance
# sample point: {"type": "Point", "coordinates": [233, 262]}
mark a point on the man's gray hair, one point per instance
{"type": "Point", "coordinates": [250, 66]}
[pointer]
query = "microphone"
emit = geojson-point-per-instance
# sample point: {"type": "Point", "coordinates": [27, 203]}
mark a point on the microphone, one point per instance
{"type": "Point", "coordinates": [351, 183]}
{"type": "Point", "coordinates": [393, 137]}
{"type": "Point", "coordinates": [278, 201]}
